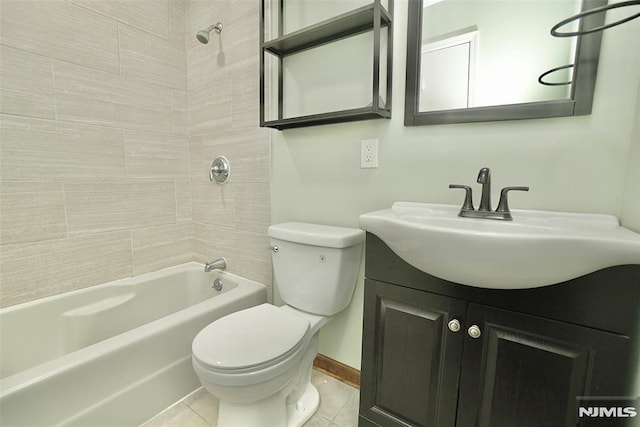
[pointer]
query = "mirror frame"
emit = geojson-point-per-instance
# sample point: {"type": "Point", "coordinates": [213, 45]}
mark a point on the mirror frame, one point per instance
{"type": "Point", "coordinates": [582, 88]}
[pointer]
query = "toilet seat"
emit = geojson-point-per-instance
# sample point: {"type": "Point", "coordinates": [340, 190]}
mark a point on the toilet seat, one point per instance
{"type": "Point", "coordinates": [255, 338]}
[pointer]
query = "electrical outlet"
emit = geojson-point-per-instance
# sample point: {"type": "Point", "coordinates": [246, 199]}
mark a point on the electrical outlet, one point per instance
{"type": "Point", "coordinates": [368, 153]}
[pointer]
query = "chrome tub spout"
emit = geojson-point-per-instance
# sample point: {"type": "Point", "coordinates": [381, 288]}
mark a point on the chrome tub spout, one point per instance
{"type": "Point", "coordinates": [219, 264]}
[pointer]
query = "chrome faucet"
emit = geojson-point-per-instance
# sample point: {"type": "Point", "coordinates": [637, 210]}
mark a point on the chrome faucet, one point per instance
{"type": "Point", "coordinates": [484, 210]}
{"type": "Point", "coordinates": [219, 264]}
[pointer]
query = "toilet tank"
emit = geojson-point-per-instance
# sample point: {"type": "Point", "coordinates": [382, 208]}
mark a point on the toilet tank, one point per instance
{"type": "Point", "coordinates": [316, 266]}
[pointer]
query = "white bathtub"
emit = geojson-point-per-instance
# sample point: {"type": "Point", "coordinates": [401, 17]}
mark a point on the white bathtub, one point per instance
{"type": "Point", "coordinates": [113, 354]}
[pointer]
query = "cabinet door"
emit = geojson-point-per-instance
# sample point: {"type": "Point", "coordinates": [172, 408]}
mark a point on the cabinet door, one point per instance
{"type": "Point", "coordinates": [527, 371]}
{"type": "Point", "coordinates": [411, 359]}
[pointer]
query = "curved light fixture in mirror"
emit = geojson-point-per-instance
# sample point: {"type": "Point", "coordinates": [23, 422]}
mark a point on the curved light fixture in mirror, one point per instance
{"type": "Point", "coordinates": [480, 60]}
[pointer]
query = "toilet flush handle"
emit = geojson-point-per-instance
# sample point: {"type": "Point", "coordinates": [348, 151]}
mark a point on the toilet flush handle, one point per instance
{"type": "Point", "coordinates": [274, 248]}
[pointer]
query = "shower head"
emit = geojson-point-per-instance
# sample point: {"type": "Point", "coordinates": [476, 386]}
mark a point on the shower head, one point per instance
{"type": "Point", "coordinates": [203, 35]}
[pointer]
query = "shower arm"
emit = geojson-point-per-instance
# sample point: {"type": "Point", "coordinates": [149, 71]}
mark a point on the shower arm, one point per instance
{"type": "Point", "coordinates": [217, 27]}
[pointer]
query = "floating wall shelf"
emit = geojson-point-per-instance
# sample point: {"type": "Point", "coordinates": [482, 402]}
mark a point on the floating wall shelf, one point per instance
{"type": "Point", "coordinates": [345, 25]}
{"type": "Point", "coordinates": [372, 17]}
{"type": "Point", "coordinates": [328, 118]}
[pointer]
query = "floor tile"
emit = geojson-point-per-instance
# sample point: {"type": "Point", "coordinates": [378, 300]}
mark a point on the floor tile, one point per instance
{"type": "Point", "coordinates": [348, 415]}
{"type": "Point", "coordinates": [334, 394]}
{"type": "Point", "coordinates": [179, 415]}
{"type": "Point", "coordinates": [204, 404]}
{"type": "Point", "coordinates": [338, 407]}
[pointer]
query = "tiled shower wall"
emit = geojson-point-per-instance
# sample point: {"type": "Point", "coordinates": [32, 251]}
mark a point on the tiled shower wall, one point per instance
{"type": "Point", "coordinates": [229, 220]}
{"type": "Point", "coordinates": [97, 181]}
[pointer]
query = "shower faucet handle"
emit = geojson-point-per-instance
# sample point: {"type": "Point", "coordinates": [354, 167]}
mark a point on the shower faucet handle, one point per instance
{"type": "Point", "coordinates": [467, 205]}
{"type": "Point", "coordinates": [220, 170]}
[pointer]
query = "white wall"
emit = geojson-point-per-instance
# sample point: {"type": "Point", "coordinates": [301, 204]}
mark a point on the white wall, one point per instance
{"type": "Point", "coordinates": [572, 164]}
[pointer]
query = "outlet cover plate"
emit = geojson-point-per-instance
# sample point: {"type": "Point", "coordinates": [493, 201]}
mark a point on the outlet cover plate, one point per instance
{"type": "Point", "coordinates": [369, 153]}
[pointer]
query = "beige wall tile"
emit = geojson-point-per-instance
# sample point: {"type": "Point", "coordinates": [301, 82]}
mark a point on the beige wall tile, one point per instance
{"type": "Point", "coordinates": [180, 113]}
{"type": "Point", "coordinates": [247, 150]}
{"type": "Point", "coordinates": [223, 120]}
{"type": "Point", "coordinates": [150, 58]}
{"type": "Point", "coordinates": [96, 207]}
{"type": "Point", "coordinates": [210, 106]}
{"type": "Point", "coordinates": [159, 247]}
{"type": "Point", "coordinates": [61, 30]}
{"type": "Point", "coordinates": [239, 43]}
{"type": "Point", "coordinates": [213, 203]}
{"type": "Point", "coordinates": [42, 149]}
{"type": "Point", "coordinates": [89, 96]}
{"type": "Point", "coordinates": [238, 9]}
{"type": "Point", "coordinates": [184, 211]}
{"type": "Point", "coordinates": [31, 211]}
{"type": "Point", "coordinates": [247, 253]}
{"type": "Point", "coordinates": [177, 26]}
{"type": "Point", "coordinates": [76, 161]}
{"type": "Point", "coordinates": [200, 244]}
{"type": "Point", "coordinates": [156, 155]}
{"type": "Point", "coordinates": [204, 62]}
{"type": "Point", "coordinates": [99, 178]}
{"type": "Point", "coordinates": [234, 15]}
{"type": "Point", "coordinates": [251, 207]}
{"type": "Point", "coordinates": [26, 84]}
{"type": "Point", "coordinates": [201, 157]}
{"type": "Point", "coordinates": [241, 205]}
{"type": "Point", "coordinates": [36, 270]}
{"type": "Point", "coordinates": [148, 15]}
{"type": "Point", "coordinates": [245, 86]}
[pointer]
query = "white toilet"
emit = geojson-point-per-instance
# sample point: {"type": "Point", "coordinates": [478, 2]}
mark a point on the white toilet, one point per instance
{"type": "Point", "coordinates": [258, 361]}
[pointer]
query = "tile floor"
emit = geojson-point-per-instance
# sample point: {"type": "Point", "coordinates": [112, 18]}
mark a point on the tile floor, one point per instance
{"type": "Point", "coordinates": [338, 407]}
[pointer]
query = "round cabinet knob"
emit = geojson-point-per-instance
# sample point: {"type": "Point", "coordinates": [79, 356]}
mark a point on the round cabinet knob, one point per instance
{"type": "Point", "coordinates": [454, 325]}
{"type": "Point", "coordinates": [474, 331]}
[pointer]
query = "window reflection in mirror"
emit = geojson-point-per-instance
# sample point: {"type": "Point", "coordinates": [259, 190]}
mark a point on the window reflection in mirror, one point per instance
{"type": "Point", "coordinates": [477, 60]}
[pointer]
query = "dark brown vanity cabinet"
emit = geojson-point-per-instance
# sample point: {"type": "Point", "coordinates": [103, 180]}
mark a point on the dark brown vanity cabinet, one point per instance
{"type": "Point", "coordinates": [440, 354]}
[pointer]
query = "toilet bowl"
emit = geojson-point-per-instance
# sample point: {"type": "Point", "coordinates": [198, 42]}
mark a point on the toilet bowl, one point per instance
{"type": "Point", "coordinates": [258, 361]}
{"type": "Point", "coordinates": [268, 358]}
{"type": "Point", "coordinates": [263, 346]}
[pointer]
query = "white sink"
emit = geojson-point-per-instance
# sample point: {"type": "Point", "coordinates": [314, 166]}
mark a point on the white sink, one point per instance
{"type": "Point", "coordinates": [537, 248]}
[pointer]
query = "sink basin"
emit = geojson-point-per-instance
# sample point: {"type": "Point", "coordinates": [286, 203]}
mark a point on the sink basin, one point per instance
{"type": "Point", "coordinates": [537, 248]}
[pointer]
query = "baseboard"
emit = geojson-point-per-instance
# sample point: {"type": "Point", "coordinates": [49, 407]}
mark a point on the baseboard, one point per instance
{"type": "Point", "coordinates": [337, 370]}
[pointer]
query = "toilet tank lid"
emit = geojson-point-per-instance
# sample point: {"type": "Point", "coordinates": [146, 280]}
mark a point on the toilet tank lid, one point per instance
{"type": "Point", "coordinates": [317, 235]}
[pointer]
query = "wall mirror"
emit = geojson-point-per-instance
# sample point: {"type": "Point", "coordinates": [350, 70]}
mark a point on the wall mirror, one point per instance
{"type": "Point", "coordinates": [486, 60]}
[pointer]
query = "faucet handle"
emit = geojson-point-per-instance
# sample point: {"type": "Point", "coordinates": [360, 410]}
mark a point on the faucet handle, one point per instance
{"type": "Point", "coordinates": [503, 205]}
{"type": "Point", "coordinates": [467, 205]}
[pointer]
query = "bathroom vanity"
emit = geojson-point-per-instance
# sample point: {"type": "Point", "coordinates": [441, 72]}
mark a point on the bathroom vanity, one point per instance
{"type": "Point", "coordinates": [437, 353]}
